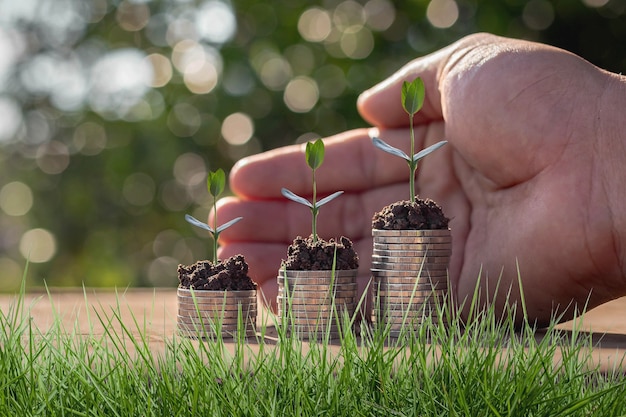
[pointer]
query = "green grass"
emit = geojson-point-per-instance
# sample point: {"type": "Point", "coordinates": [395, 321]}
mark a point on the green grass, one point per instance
{"type": "Point", "coordinates": [485, 368]}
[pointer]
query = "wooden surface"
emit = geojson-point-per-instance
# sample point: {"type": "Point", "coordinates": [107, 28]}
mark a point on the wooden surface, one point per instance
{"type": "Point", "coordinates": [152, 313]}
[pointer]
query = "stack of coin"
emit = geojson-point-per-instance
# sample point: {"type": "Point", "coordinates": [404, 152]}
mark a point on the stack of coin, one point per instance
{"type": "Point", "coordinates": [314, 303]}
{"type": "Point", "coordinates": [201, 312]}
{"type": "Point", "coordinates": [409, 275]}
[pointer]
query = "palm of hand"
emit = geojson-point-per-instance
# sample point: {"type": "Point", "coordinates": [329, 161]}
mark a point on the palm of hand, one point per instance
{"type": "Point", "coordinates": [521, 183]}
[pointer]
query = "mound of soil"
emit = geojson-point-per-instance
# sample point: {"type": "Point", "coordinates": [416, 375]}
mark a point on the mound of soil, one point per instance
{"type": "Point", "coordinates": [231, 275]}
{"type": "Point", "coordinates": [410, 215]}
{"type": "Point", "coordinates": [304, 255]}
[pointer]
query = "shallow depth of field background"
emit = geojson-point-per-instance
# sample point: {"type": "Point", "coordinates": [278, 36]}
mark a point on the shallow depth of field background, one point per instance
{"type": "Point", "coordinates": [112, 111]}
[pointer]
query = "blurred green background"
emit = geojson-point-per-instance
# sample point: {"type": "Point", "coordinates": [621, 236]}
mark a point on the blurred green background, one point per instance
{"type": "Point", "coordinates": [111, 112]}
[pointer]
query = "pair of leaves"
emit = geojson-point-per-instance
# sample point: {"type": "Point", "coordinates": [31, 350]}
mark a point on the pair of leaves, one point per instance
{"type": "Point", "coordinates": [384, 146]}
{"type": "Point", "coordinates": [205, 226]}
{"type": "Point", "coordinates": [314, 154]}
{"type": "Point", "coordinates": [216, 182]}
{"type": "Point", "coordinates": [294, 197]}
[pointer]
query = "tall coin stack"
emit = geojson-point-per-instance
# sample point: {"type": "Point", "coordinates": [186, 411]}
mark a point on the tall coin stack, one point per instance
{"type": "Point", "coordinates": [409, 276]}
{"type": "Point", "coordinates": [314, 303]}
{"type": "Point", "coordinates": [200, 312]}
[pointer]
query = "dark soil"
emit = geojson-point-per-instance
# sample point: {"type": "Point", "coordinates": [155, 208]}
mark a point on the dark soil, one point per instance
{"type": "Point", "coordinates": [231, 275]}
{"type": "Point", "coordinates": [304, 255]}
{"type": "Point", "coordinates": [407, 215]}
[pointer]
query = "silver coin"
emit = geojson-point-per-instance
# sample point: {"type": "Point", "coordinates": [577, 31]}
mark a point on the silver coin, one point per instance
{"type": "Point", "coordinates": [228, 304]}
{"type": "Point", "coordinates": [320, 295]}
{"type": "Point", "coordinates": [415, 291]}
{"type": "Point", "coordinates": [408, 305]}
{"type": "Point", "coordinates": [307, 301]}
{"type": "Point", "coordinates": [411, 310]}
{"type": "Point", "coordinates": [213, 313]}
{"type": "Point", "coordinates": [216, 294]}
{"type": "Point", "coordinates": [407, 257]}
{"type": "Point", "coordinates": [298, 303]}
{"type": "Point", "coordinates": [424, 275]}
{"type": "Point", "coordinates": [396, 266]}
{"type": "Point", "coordinates": [310, 334]}
{"type": "Point", "coordinates": [309, 315]}
{"type": "Point", "coordinates": [419, 251]}
{"type": "Point", "coordinates": [405, 325]}
{"type": "Point", "coordinates": [406, 313]}
{"type": "Point", "coordinates": [433, 243]}
{"type": "Point", "coordinates": [208, 332]}
{"type": "Point", "coordinates": [216, 315]}
{"type": "Point", "coordinates": [210, 318]}
{"type": "Point", "coordinates": [398, 256]}
{"type": "Point", "coordinates": [312, 317]}
{"type": "Point", "coordinates": [408, 320]}
{"type": "Point", "coordinates": [423, 310]}
{"type": "Point", "coordinates": [312, 325]}
{"type": "Point", "coordinates": [405, 297]}
{"type": "Point", "coordinates": [394, 295]}
{"type": "Point", "coordinates": [413, 239]}
{"type": "Point", "coordinates": [412, 246]}
{"type": "Point", "coordinates": [320, 288]}
{"type": "Point", "coordinates": [384, 292]}
{"type": "Point", "coordinates": [208, 322]}
{"type": "Point", "coordinates": [424, 284]}
{"type": "Point", "coordinates": [216, 306]}
{"type": "Point", "coordinates": [316, 281]}
{"type": "Point", "coordinates": [441, 261]}
{"type": "Point", "coordinates": [407, 232]}
{"type": "Point", "coordinates": [317, 274]}
{"type": "Point", "coordinates": [313, 309]}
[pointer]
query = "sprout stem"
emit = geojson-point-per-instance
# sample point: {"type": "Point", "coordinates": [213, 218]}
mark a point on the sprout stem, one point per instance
{"type": "Point", "coordinates": [215, 233]}
{"type": "Point", "coordinates": [412, 163]}
{"type": "Point", "coordinates": [314, 209]}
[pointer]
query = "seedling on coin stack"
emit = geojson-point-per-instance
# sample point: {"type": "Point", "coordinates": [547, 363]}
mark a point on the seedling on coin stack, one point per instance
{"type": "Point", "coordinates": [412, 242]}
{"type": "Point", "coordinates": [319, 277]}
{"type": "Point", "coordinates": [217, 295]}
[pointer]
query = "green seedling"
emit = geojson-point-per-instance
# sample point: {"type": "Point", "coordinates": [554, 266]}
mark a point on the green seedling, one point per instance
{"type": "Point", "coordinates": [216, 181]}
{"type": "Point", "coordinates": [314, 158]}
{"type": "Point", "coordinates": [413, 94]}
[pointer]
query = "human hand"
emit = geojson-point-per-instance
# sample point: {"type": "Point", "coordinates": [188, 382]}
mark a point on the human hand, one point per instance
{"type": "Point", "coordinates": [532, 176]}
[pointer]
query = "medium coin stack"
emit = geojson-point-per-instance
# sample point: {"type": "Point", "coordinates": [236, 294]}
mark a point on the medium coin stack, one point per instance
{"type": "Point", "coordinates": [314, 303]}
{"type": "Point", "coordinates": [201, 312]}
{"type": "Point", "coordinates": [409, 275]}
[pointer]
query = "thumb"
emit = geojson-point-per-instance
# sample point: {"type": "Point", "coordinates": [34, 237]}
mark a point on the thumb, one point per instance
{"type": "Point", "coordinates": [381, 105]}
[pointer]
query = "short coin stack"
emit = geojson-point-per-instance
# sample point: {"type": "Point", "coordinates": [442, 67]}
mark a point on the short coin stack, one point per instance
{"type": "Point", "coordinates": [409, 275]}
{"type": "Point", "coordinates": [200, 312]}
{"type": "Point", "coordinates": [313, 303]}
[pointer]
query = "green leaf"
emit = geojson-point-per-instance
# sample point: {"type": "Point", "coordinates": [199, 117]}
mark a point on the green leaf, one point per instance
{"type": "Point", "coordinates": [384, 146]}
{"type": "Point", "coordinates": [413, 94]}
{"type": "Point", "coordinates": [328, 199]}
{"type": "Point", "coordinates": [198, 223]}
{"type": "Point", "coordinates": [294, 197]}
{"type": "Point", "coordinates": [315, 153]}
{"type": "Point", "coordinates": [428, 150]}
{"type": "Point", "coordinates": [216, 181]}
{"type": "Point", "coordinates": [228, 224]}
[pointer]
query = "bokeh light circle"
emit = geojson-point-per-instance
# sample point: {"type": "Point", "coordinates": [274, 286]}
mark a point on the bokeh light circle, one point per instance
{"type": "Point", "coordinates": [301, 94]}
{"type": "Point", "coordinates": [16, 198]}
{"type": "Point", "coordinates": [38, 245]}
{"type": "Point", "coordinates": [237, 128]}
